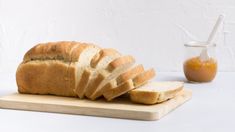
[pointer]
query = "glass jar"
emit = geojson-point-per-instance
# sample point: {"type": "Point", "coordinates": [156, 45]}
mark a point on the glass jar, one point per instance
{"type": "Point", "coordinates": [199, 66]}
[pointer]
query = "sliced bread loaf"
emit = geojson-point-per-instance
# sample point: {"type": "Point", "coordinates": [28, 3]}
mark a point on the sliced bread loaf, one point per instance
{"type": "Point", "coordinates": [115, 91]}
{"type": "Point", "coordinates": [156, 92]}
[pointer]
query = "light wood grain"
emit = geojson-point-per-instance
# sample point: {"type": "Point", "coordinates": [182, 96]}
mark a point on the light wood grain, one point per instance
{"type": "Point", "coordinates": [120, 108]}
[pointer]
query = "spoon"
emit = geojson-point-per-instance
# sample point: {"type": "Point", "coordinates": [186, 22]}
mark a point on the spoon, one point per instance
{"type": "Point", "coordinates": [204, 56]}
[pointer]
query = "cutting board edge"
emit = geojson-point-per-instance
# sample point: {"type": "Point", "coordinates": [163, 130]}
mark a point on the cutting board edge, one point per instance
{"type": "Point", "coordinates": [148, 116]}
{"type": "Point", "coordinates": [100, 112]}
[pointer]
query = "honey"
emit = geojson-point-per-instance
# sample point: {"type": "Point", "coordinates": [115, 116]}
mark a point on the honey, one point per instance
{"type": "Point", "coordinates": [197, 70]}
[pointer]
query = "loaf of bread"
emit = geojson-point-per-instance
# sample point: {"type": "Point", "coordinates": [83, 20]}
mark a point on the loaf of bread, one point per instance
{"type": "Point", "coordinates": [75, 69]}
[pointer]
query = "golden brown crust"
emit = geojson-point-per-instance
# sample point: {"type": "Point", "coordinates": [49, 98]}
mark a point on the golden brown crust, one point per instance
{"type": "Point", "coordinates": [120, 61]}
{"type": "Point", "coordinates": [169, 94]}
{"type": "Point", "coordinates": [53, 50]}
{"type": "Point", "coordinates": [144, 97]}
{"type": "Point", "coordinates": [72, 75]}
{"type": "Point", "coordinates": [144, 77]}
{"type": "Point", "coordinates": [78, 50]}
{"type": "Point", "coordinates": [130, 74]}
{"type": "Point", "coordinates": [103, 53]}
{"type": "Point", "coordinates": [44, 77]}
{"type": "Point", "coordinates": [62, 50]}
{"type": "Point", "coordinates": [120, 90]}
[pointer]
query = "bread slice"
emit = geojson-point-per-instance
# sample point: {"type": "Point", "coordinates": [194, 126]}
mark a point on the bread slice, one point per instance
{"type": "Point", "coordinates": [114, 69]}
{"type": "Point", "coordinates": [83, 54]}
{"type": "Point", "coordinates": [140, 79]}
{"type": "Point", "coordinates": [99, 61]}
{"type": "Point", "coordinates": [156, 92]}
{"type": "Point", "coordinates": [129, 74]}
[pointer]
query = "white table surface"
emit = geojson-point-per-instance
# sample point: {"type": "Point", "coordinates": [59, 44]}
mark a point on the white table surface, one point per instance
{"type": "Point", "coordinates": [212, 108]}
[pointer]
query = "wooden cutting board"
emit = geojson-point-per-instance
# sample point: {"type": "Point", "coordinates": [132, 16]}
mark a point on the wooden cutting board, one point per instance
{"type": "Point", "coordinates": [120, 108]}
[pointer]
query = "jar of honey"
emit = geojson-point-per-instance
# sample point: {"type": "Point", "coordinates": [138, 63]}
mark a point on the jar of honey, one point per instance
{"type": "Point", "coordinates": [200, 63]}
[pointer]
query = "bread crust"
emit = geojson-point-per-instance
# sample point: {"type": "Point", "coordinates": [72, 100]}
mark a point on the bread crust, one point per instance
{"type": "Point", "coordinates": [119, 90]}
{"type": "Point", "coordinates": [120, 61]}
{"type": "Point", "coordinates": [68, 51]}
{"type": "Point", "coordinates": [103, 53]}
{"type": "Point", "coordinates": [144, 77]}
{"type": "Point", "coordinates": [72, 76]}
{"type": "Point", "coordinates": [169, 94]}
{"type": "Point", "coordinates": [53, 50]}
{"type": "Point", "coordinates": [147, 97]}
{"type": "Point", "coordinates": [130, 74]}
{"type": "Point", "coordinates": [75, 54]}
{"type": "Point", "coordinates": [44, 77]}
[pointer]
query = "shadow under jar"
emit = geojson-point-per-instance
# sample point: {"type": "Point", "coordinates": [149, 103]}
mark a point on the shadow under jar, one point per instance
{"type": "Point", "coordinates": [197, 69]}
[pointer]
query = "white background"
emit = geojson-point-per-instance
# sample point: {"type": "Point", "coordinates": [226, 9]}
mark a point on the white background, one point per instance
{"type": "Point", "coordinates": [153, 31]}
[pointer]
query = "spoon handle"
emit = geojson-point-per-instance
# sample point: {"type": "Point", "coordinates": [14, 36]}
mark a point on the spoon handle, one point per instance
{"type": "Point", "coordinates": [215, 29]}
